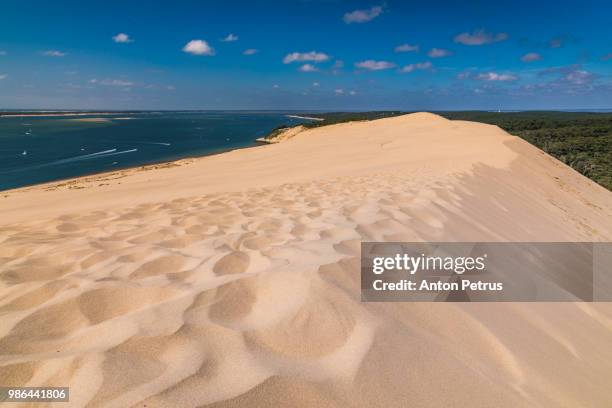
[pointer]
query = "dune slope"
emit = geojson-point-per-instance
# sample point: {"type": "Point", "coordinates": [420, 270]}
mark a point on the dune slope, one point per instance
{"type": "Point", "coordinates": [233, 280]}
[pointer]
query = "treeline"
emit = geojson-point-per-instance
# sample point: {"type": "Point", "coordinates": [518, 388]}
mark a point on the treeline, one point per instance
{"type": "Point", "coordinates": [331, 118]}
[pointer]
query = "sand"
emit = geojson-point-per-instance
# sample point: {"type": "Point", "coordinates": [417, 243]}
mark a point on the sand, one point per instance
{"type": "Point", "coordinates": [233, 280]}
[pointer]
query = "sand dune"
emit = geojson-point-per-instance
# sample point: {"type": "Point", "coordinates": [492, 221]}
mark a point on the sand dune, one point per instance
{"type": "Point", "coordinates": [233, 280]}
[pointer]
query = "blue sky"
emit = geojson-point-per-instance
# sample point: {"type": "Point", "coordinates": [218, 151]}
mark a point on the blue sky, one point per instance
{"type": "Point", "coordinates": [306, 55]}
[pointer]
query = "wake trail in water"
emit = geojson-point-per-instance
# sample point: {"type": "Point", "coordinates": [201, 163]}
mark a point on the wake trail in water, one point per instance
{"type": "Point", "coordinates": [148, 143]}
{"type": "Point", "coordinates": [90, 156]}
{"type": "Point", "coordinates": [121, 152]}
{"type": "Point", "coordinates": [83, 157]}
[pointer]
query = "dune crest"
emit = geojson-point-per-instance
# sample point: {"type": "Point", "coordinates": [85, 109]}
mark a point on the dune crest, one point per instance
{"type": "Point", "coordinates": [233, 280]}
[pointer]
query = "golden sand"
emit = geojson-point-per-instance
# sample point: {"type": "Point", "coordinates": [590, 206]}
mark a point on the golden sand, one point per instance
{"type": "Point", "coordinates": [233, 280]}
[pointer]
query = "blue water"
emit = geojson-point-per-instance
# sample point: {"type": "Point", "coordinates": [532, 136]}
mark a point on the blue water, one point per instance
{"type": "Point", "coordinates": [41, 149]}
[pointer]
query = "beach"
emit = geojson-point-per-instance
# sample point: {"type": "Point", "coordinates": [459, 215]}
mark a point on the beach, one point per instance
{"type": "Point", "coordinates": [233, 279]}
{"type": "Point", "coordinates": [61, 148]}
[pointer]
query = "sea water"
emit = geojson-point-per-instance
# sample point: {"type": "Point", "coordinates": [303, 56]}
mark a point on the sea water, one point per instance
{"type": "Point", "coordinates": [37, 149]}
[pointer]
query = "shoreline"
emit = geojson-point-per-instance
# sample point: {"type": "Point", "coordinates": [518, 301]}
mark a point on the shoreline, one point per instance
{"type": "Point", "coordinates": [261, 141]}
{"type": "Point", "coordinates": [54, 114]}
{"type": "Point", "coordinates": [143, 167]}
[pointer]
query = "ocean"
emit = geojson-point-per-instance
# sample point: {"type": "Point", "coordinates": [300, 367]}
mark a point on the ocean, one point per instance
{"type": "Point", "coordinates": [38, 149]}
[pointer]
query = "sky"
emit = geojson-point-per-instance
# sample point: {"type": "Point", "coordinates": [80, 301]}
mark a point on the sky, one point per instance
{"type": "Point", "coordinates": [306, 55]}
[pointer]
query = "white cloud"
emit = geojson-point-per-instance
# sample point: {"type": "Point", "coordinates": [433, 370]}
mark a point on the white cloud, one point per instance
{"type": "Point", "coordinates": [407, 48]}
{"type": "Point", "coordinates": [339, 91]}
{"type": "Point", "coordinates": [578, 77]}
{"type": "Point", "coordinates": [315, 84]}
{"type": "Point", "coordinates": [171, 88]}
{"type": "Point", "coordinates": [494, 76]}
{"type": "Point", "coordinates": [250, 51]}
{"type": "Point", "coordinates": [305, 56]}
{"type": "Point", "coordinates": [2, 53]}
{"type": "Point", "coordinates": [198, 47]}
{"type": "Point", "coordinates": [362, 16]}
{"type": "Point", "coordinates": [573, 80]}
{"type": "Point", "coordinates": [353, 93]}
{"type": "Point", "coordinates": [375, 65]}
{"type": "Point", "coordinates": [3, 76]}
{"type": "Point", "coordinates": [531, 56]}
{"type": "Point", "coordinates": [111, 82]}
{"type": "Point", "coordinates": [276, 86]}
{"type": "Point", "coordinates": [122, 38]}
{"type": "Point", "coordinates": [308, 68]}
{"type": "Point", "coordinates": [230, 38]}
{"type": "Point", "coordinates": [418, 66]}
{"type": "Point", "coordinates": [54, 53]}
{"type": "Point", "coordinates": [438, 53]}
{"type": "Point", "coordinates": [479, 37]}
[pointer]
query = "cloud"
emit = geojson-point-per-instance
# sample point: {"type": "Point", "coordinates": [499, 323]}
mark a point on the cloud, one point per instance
{"type": "Point", "coordinates": [122, 38]}
{"type": "Point", "coordinates": [171, 88]}
{"type": "Point", "coordinates": [3, 76]}
{"type": "Point", "coordinates": [372, 65]}
{"type": "Point", "coordinates": [308, 68]}
{"type": "Point", "coordinates": [198, 47]}
{"type": "Point", "coordinates": [305, 56]}
{"type": "Point", "coordinates": [54, 53]}
{"type": "Point", "coordinates": [276, 86]}
{"type": "Point", "coordinates": [362, 16]}
{"type": "Point", "coordinates": [572, 79]}
{"type": "Point", "coordinates": [414, 67]}
{"type": "Point", "coordinates": [2, 53]}
{"type": "Point", "coordinates": [339, 91]}
{"type": "Point", "coordinates": [111, 82]}
{"type": "Point", "coordinates": [607, 57]}
{"type": "Point", "coordinates": [250, 51]}
{"type": "Point", "coordinates": [494, 76]}
{"type": "Point", "coordinates": [315, 84]}
{"type": "Point", "coordinates": [230, 38]}
{"type": "Point", "coordinates": [438, 53]}
{"type": "Point", "coordinates": [531, 56]}
{"type": "Point", "coordinates": [573, 74]}
{"type": "Point", "coordinates": [353, 93]}
{"type": "Point", "coordinates": [578, 77]}
{"type": "Point", "coordinates": [479, 37]}
{"type": "Point", "coordinates": [407, 48]}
